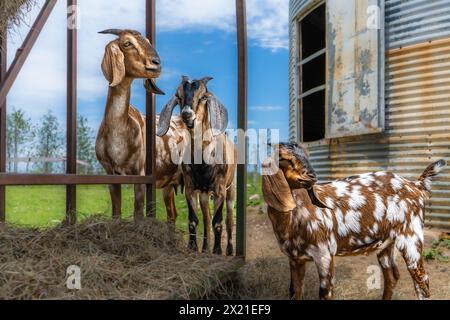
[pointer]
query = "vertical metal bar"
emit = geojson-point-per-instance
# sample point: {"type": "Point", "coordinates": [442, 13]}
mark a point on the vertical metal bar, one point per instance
{"type": "Point", "coordinates": [71, 167]}
{"type": "Point", "coordinates": [241, 20]}
{"type": "Point", "coordinates": [150, 23]}
{"type": "Point", "coordinates": [3, 69]}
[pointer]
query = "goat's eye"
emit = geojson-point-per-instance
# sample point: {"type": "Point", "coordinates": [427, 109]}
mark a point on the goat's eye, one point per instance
{"type": "Point", "coordinates": [127, 44]}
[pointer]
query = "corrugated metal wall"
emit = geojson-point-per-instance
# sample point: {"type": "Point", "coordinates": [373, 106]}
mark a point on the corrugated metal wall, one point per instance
{"type": "Point", "coordinates": [416, 21]}
{"type": "Point", "coordinates": [417, 108]}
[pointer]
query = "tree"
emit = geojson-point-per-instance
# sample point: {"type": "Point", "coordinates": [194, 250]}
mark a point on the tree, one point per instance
{"type": "Point", "coordinates": [85, 141]}
{"type": "Point", "coordinates": [49, 142]}
{"type": "Point", "coordinates": [19, 131]}
{"type": "Point", "coordinates": [29, 147]}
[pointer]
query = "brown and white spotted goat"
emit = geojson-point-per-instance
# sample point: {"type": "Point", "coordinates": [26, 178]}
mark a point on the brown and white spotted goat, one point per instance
{"type": "Point", "coordinates": [373, 212]}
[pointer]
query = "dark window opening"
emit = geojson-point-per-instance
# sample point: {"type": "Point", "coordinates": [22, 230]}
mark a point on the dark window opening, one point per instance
{"type": "Point", "coordinates": [313, 31]}
{"type": "Point", "coordinates": [313, 117]}
{"type": "Point", "coordinates": [312, 75]}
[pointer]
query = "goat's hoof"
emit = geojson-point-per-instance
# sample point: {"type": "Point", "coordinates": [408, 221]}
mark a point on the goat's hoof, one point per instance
{"type": "Point", "coordinates": [205, 250]}
{"type": "Point", "coordinates": [291, 292]}
{"type": "Point", "coordinates": [193, 247]}
{"type": "Point", "coordinates": [217, 250]}
{"type": "Point", "coordinates": [229, 250]}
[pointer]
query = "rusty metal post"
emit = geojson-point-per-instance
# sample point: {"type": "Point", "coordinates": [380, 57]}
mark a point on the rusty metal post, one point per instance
{"type": "Point", "coordinates": [150, 24]}
{"type": "Point", "coordinates": [71, 166]}
{"type": "Point", "coordinates": [241, 217]}
{"type": "Point", "coordinates": [3, 69]}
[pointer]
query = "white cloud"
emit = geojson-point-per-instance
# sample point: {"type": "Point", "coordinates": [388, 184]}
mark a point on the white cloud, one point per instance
{"type": "Point", "coordinates": [42, 82]}
{"type": "Point", "coordinates": [267, 108]}
{"type": "Point", "coordinates": [267, 19]}
{"type": "Point", "coordinates": [268, 23]}
{"type": "Point", "coordinates": [195, 14]}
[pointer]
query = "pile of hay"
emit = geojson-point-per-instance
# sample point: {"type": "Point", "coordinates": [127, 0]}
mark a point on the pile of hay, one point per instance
{"type": "Point", "coordinates": [118, 260]}
{"type": "Point", "coordinates": [12, 12]}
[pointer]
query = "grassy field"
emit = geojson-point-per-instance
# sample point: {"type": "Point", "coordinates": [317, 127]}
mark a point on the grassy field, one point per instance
{"type": "Point", "coordinates": [44, 206]}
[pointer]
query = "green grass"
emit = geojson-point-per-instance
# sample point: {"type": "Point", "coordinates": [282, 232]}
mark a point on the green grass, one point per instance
{"type": "Point", "coordinates": [436, 252]}
{"type": "Point", "coordinates": [254, 187]}
{"type": "Point", "coordinates": [44, 206]}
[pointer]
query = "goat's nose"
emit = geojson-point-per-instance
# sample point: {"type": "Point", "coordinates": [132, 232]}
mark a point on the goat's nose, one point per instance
{"type": "Point", "coordinates": [312, 176]}
{"type": "Point", "coordinates": [186, 114]}
{"type": "Point", "coordinates": [156, 61]}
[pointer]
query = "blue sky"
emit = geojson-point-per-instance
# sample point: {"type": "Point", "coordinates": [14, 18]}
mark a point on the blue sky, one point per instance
{"type": "Point", "coordinates": [194, 37]}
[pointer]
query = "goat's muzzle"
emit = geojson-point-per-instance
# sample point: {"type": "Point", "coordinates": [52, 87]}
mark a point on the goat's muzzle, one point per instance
{"type": "Point", "coordinates": [188, 116]}
{"type": "Point", "coordinates": [312, 177]}
{"type": "Point", "coordinates": [154, 65]}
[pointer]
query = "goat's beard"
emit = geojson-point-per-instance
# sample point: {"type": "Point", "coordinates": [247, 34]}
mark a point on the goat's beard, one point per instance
{"type": "Point", "coordinates": [314, 198]}
{"type": "Point", "coordinates": [150, 86]}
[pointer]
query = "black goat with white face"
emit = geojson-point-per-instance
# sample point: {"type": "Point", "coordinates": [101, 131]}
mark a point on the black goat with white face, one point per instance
{"type": "Point", "coordinates": [203, 113]}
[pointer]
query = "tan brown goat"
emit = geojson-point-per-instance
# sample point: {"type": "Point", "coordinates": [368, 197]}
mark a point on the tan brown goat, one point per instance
{"type": "Point", "coordinates": [210, 163]}
{"type": "Point", "coordinates": [373, 212]}
{"type": "Point", "coordinates": [120, 145]}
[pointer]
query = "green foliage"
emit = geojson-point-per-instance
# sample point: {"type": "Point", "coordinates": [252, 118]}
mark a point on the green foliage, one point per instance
{"type": "Point", "coordinates": [254, 187]}
{"type": "Point", "coordinates": [49, 142]}
{"type": "Point", "coordinates": [436, 251]}
{"type": "Point", "coordinates": [85, 148]}
{"type": "Point", "coordinates": [445, 243]}
{"type": "Point", "coordinates": [19, 131]}
{"type": "Point", "coordinates": [46, 141]}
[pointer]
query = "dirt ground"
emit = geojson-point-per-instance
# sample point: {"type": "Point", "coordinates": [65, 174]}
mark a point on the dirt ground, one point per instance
{"type": "Point", "coordinates": [266, 274]}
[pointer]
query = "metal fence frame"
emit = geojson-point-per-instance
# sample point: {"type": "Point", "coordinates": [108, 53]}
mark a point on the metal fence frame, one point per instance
{"type": "Point", "coordinates": [71, 179]}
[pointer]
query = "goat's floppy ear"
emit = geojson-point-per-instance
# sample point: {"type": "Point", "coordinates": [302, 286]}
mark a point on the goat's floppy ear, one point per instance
{"type": "Point", "coordinates": [164, 117]}
{"type": "Point", "coordinates": [218, 115]}
{"type": "Point", "coordinates": [276, 190]}
{"type": "Point", "coordinates": [113, 65]}
{"type": "Point", "coordinates": [312, 193]}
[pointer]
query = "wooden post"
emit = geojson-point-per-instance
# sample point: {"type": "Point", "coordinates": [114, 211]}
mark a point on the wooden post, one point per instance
{"type": "Point", "coordinates": [71, 166]}
{"type": "Point", "coordinates": [150, 23]}
{"type": "Point", "coordinates": [241, 218]}
{"type": "Point", "coordinates": [3, 69]}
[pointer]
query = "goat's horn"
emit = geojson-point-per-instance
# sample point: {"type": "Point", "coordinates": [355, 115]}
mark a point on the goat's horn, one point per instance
{"type": "Point", "coordinates": [116, 32]}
